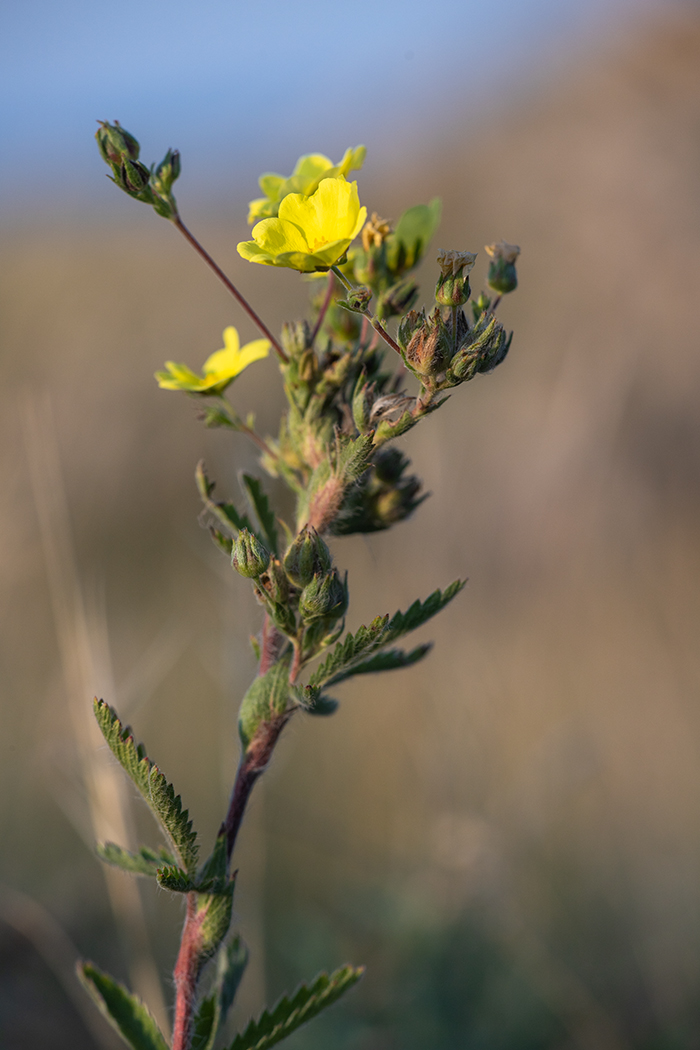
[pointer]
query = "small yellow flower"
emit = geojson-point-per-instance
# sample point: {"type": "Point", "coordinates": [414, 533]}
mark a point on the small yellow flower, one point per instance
{"type": "Point", "coordinates": [220, 369]}
{"type": "Point", "coordinates": [308, 172]}
{"type": "Point", "coordinates": [310, 232]}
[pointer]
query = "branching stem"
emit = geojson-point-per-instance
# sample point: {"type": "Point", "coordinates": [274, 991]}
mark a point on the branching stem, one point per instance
{"type": "Point", "coordinates": [231, 287]}
{"type": "Point", "coordinates": [366, 312]}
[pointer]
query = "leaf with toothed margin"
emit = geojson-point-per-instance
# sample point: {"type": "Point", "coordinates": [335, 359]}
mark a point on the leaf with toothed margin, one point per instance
{"type": "Point", "coordinates": [289, 1014]}
{"type": "Point", "coordinates": [362, 653]}
{"type": "Point", "coordinates": [124, 1011]}
{"type": "Point", "coordinates": [158, 793]}
{"type": "Point", "coordinates": [145, 861]}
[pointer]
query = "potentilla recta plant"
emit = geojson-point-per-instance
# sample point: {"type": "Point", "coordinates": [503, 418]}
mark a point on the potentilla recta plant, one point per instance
{"type": "Point", "coordinates": [352, 388]}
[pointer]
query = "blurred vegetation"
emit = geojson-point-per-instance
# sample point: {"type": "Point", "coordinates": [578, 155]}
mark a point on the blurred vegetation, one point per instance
{"type": "Point", "coordinates": [513, 846]}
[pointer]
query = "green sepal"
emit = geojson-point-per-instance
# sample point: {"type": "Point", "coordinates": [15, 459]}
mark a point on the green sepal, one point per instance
{"type": "Point", "coordinates": [124, 1011]}
{"type": "Point", "coordinates": [232, 960]}
{"type": "Point", "coordinates": [263, 511]}
{"type": "Point", "coordinates": [157, 792]}
{"type": "Point", "coordinates": [267, 698]}
{"type": "Point", "coordinates": [145, 861]}
{"type": "Point", "coordinates": [289, 1014]}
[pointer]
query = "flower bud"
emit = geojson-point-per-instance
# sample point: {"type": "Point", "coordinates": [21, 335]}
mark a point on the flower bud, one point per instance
{"type": "Point", "coordinates": [167, 171]}
{"type": "Point", "coordinates": [502, 276]}
{"type": "Point", "coordinates": [248, 556]}
{"type": "Point", "coordinates": [452, 288]}
{"type": "Point", "coordinates": [115, 143]}
{"type": "Point", "coordinates": [307, 557]}
{"type": "Point", "coordinates": [134, 176]}
{"type": "Point", "coordinates": [357, 300]}
{"type": "Point", "coordinates": [324, 598]}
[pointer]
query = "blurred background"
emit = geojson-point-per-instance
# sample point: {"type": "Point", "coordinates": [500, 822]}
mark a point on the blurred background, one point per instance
{"type": "Point", "coordinates": [507, 835]}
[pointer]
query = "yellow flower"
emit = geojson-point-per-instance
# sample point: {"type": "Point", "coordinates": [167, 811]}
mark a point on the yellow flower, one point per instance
{"type": "Point", "coordinates": [310, 232]}
{"type": "Point", "coordinates": [220, 369]}
{"type": "Point", "coordinates": [308, 172]}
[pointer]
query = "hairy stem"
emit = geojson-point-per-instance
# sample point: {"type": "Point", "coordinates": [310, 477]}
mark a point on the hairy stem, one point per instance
{"type": "Point", "coordinates": [185, 977]}
{"type": "Point", "coordinates": [231, 287]}
{"type": "Point", "coordinates": [253, 764]}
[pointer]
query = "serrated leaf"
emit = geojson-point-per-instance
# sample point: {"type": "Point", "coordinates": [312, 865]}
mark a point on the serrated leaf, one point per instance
{"type": "Point", "coordinates": [289, 1014]}
{"type": "Point", "coordinates": [420, 612]}
{"type": "Point", "coordinates": [157, 792]}
{"type": "Point", "coordinates": [353, 647]}
{"type": "Point", "coordinates": [356, 653]}
{"type": "Point", "coordinates": [124, 1011]}
{"type": "Point", "coordinates": [176, 880]}
{"type": "Point", "coordinates": [145, 861]}
{"type": "Point", "coordinates": [213, 1010]}
{"type": "Point", "coordinates": [263, 511]}
{"type": "Point", "coordinates": [386, 660]}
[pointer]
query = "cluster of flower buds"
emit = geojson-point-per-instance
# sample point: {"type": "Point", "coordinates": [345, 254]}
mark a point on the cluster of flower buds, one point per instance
{"type": "Point", "coordinates": [120, 151]}
{"type": "Point", "coordinates": [441, 348]}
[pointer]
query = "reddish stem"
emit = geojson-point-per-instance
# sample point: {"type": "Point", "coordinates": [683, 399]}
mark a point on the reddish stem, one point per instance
{"type": "Point", "coordinates": [185, 976]}
{"type": "Point", "coordinates": [231, 287]}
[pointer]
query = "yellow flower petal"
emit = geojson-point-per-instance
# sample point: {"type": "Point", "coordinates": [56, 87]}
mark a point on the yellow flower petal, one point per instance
{"type": "Point", "coordinates": [220, 368]}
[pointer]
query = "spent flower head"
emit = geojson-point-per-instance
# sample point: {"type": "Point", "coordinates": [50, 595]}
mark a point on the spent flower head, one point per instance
{"type": "Point", "coordinates": [310, 232]}
{"type": "Point", "coordinates": [219, 370]}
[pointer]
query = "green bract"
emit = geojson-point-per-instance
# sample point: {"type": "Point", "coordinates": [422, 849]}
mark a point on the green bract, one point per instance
{"type": "Point", "coordinates": [308, 172]}
{"type": "Point", "coordinates": [310, 232]}
{"type": "Point", "coordinates": [219, 370]}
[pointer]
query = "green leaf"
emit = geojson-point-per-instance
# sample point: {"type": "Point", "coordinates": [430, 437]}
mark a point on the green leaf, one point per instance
{"type": "Point", "coordinates": [124, 1011]}
{"type": "Point", "coordinates": [265, 515]}
{"type": "Point", "coordinates": [352, 648]}
{"type": "Point", "coordinates": [412, 235]}
{"type": "Point", "coordinates": [144, 862]}
{"type": "Point", "coordinates": [289, 1014]}
{"type": "Point", "coordinates": [356, 653]}
{"type": "Point", "coordinates": [176, 880]}
{"type": "Point", "coordinates": [420, 612]}
{"type": "Point", "coordinates": [225, 513]}
{"type": "Point", "coordinates": [389, 660]}
{"type": "Point", "coordinates": [213, 1010]}
{"type": "Point", "coordinates": [158, 793]}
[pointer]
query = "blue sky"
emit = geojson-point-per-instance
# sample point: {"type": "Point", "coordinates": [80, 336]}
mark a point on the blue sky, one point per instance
{"type": "Point", "coordinates": [243, 86]}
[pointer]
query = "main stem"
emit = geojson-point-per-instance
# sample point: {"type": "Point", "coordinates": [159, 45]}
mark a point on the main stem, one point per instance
{"type": "Point", "coordinates": [231, 287]}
